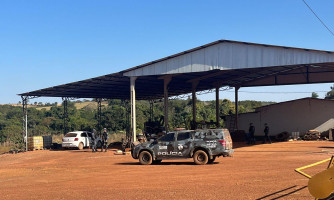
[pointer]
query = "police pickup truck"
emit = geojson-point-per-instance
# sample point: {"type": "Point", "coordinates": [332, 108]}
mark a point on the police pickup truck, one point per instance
{"type": "Point", "coordinates": [202, 145]}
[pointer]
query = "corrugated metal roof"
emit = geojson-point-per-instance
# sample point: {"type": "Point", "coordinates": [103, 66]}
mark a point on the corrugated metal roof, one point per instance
{"type": "Point", "coordinates": [226, 54]}
{"type": "Point", "coordinates": [117, 86]}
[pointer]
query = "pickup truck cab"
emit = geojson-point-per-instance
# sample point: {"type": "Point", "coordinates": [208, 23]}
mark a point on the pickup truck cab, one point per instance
{"type": "Point", "coordinates": [203, 145]}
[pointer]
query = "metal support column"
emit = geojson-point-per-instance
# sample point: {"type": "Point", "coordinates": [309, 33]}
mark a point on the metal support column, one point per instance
{"type": "Point", "coordinates": [217, 108]}
{"type": "Point", "coordinates": [151, 110]}
{"type": "Point", "coordinates": [65, 114]}
{"type": "Point", "coordinates": [167, 80]}
{"type": "Point", "coordinates": [99, 116]}
{"type": "Point", "coordinates": [25, 120]}
{"type": "Point", "coordinates": [236, 107]}
{"type": "Point", "coordinates": [193, 98]}
{"type": "Point", "coordinates": [133, 107]}
{"type": "Point", "coordinates": [127, 108]}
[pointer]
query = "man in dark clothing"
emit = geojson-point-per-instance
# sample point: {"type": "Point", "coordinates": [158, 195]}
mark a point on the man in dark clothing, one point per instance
{"type": "Point", "coordinates": [266, 134]}
{"type": "Point", "coordinates": [105, 137]}
{"type": "Point", "coordinates": [93, 144]}
{"type": "Point", "coordinates": [251, 131]}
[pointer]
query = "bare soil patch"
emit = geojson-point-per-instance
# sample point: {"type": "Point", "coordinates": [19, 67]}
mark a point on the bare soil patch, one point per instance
{"type": "Point", "coordinates": [255, 172]}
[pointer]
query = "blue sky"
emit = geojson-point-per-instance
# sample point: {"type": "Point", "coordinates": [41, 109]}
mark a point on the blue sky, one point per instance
{"type": "Point", "coordinates": [47, 43]}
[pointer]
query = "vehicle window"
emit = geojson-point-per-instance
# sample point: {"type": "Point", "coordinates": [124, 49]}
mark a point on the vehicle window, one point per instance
{"type": "Point", "coordinates": [200, 135]}
{"type": "Point", "coordinates": [183, 136]}
{"type": "Point", "coordinates": [71, 135]}
{"type": "Point", "coordinates": [83, 134]}
{"type": "Point", "coordinates": [167, 138]}
{"type": "Point", "coordinates": [89, 134]}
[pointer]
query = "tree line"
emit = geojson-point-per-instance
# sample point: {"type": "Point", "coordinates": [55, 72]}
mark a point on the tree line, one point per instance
{"type": "Point", "coordinates": [113, 116]}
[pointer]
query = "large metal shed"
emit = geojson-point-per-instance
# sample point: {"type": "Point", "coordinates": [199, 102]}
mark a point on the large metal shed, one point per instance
{"type": "Point", "coordinates": [211, 66]}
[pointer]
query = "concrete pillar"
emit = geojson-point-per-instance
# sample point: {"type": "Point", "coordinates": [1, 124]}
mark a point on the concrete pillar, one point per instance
{"type": "Point", "coordinates": [236, 107]}
{"type": "Point", "coordinates": [167, 80]}
{"type": "Point", "coordinates": [217, 108]}
{"type": "Point", "coordinates": [133, 107]}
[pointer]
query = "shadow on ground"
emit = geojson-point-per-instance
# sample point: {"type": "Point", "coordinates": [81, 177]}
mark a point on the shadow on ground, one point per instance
{"type": "Point", "coordinates": [165, 163]}
{"type": "Point", "coordinates": [282, 193]}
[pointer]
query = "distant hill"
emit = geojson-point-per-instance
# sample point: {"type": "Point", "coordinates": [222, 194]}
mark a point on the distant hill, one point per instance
{"type": "Point", "coordinates": [92, 105]}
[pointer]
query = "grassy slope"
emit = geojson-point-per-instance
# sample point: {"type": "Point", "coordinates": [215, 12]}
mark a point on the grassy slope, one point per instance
{"type": "Point", "coordinates": [77, 105]}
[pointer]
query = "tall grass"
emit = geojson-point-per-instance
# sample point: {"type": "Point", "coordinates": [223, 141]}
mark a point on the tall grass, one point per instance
{"type": "Point", "coordinates": [4, 149]}
{"type": "Point", "coordinates": [116, 137]}
{"type": "Point", "coordinates": [57, 138]}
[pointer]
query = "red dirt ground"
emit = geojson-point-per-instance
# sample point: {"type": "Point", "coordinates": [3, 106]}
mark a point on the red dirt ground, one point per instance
{"type": "Point", "coordinates": [255, 172]}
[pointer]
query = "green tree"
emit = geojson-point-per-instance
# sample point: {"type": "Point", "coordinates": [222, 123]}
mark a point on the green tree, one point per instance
{"type": "Point", "coordinates": [13, 133]}
{"type": "Point", "coordinates": [314, 95]}
{"type": "Point", "coordinates": [330, 94]}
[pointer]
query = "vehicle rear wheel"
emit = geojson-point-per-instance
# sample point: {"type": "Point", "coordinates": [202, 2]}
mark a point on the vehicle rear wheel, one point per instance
{"type": "Point", "coordinates": [80, 147]}
{"type": "Point", "coordinates": [145, 158]}
{"type": "Point", "coordinates": [201, 157]}
{"type": "Point", "coordinates": [212, 160]}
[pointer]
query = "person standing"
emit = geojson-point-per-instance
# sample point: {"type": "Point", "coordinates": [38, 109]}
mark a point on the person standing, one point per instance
{"type": "Point", "coordinates": [251, 131]}
{"type": "Point", "coordinates": [266, 134]}
{"type": "Point", "coordinates": [105, 137]}
{"type": "Point", "coordinates": [93, 143]}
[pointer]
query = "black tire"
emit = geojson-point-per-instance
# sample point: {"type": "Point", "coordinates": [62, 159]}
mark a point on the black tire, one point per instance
{"type": "Point", "coordinates": [81, 146]}
{"type": "Point", "coordinates": [145, 158]}
{"type": "Point", "coordinates": [212, 160]}
{"type": "Point", "coordinates": [200, 157]}
{"type": "Point", "coordinates": [157, 161]}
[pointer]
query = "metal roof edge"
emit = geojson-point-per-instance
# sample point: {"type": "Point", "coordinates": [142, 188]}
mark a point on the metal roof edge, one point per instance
{"type": "Point", "coordinates": [301, 99]}
{"type": "Point", "coordinates": [66, 84]}
{"type": "Point", "coordinates": [217, 42]}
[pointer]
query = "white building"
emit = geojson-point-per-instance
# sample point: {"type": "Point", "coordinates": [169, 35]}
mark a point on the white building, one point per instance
{"type": "Point", "coordinates": [298, 115]}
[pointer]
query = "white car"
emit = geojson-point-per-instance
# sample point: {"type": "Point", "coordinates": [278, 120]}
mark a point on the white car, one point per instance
{"type": "Point", "coordinates": [79, 139]}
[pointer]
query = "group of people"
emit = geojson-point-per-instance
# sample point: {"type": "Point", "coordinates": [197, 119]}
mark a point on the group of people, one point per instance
{"type": "Point", "coordinates": [104, 140]}
{"type": "Point", "coordinates": [251, 134]}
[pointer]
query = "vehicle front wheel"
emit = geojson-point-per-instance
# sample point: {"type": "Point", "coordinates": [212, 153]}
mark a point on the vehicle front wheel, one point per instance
{"type": "Point", "coordinates": [201, 157]}
{"type": "Point", "coordinates": [212, 160]}
{"type": "Point", "coordinates": [145, 158]}
{"type": "Point", "coordinates": [80, 147]}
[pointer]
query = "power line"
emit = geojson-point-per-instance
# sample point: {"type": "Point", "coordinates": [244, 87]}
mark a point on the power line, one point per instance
{"type": "Point", "coordinates": [228, 89]}
{"type": "Point", "coordinates": [280, 92]}
{"type": "Point", "coordinates": [318, 18]}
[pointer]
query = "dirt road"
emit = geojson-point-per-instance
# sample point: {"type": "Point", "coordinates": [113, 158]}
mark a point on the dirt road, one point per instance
{"type": "Point", "coordinates": [255, 172]}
